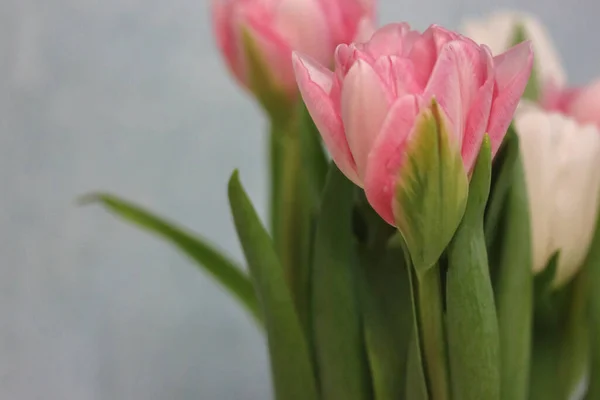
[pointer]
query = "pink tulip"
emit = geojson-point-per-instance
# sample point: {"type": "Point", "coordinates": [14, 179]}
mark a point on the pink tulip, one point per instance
{"type": "Point", "coordinates": [366, 109]}
{"type": "Point", "coordinates": [267, 31]}
{"type": "Point", "coordinates": [582, 104]}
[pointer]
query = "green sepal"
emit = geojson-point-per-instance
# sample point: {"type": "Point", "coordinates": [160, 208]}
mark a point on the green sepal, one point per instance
{"type": "Point", "coordinates": [205, 255]}
{"type": "Point", "coordinates": [431, 190]}
{"type": "Point", "coordinates": [291, 363]}
{"type": "Point", "coordinates": [273, 98]}
{"type": "Point", "coordinates": [471, 321]}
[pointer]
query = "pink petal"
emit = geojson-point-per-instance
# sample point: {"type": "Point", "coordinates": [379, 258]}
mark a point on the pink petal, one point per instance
{"type": "Point", "coordinates": [389, 40]}
{"type": "Point", "coordinates": [349, 21]}
{"type": "Point", "coordinates": [441, 36]}
{"type": "Point", "coordinates": [364, 30]}
{"type": "Point", "coordinates": [423, 55]}
{"type": "Point", "coordinates": [479, 114]}
{"type": "Point", "coordinates": [291, 19]}
{"type": "Point", "coordinates": [398, 74]}
{"type": "Point", "coordinates": [454, 83]}
{"type": "Point", "coordinates": [584, 104]}
{"type": "Point", "coordinates": [345, 56]}
{"type": "Point", "coordinates": [364, 102]}
{"type": "Point", "coordinates": [221, 12]}
{"type": "Point", "coordinates": [387, 155]}
{"type": "Point", "coordinates": [512, 70]}
{"type": "Point", "coordinates": [315, 83]}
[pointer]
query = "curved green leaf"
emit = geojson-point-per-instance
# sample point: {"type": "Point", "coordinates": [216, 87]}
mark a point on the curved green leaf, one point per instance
{"type": "Point", "coordinates": [204, 254]}
{"type": "Point", "coordinates": [387, 319]}
{"type": "Point", "coordinates": [514, 291]}
{"type": "Point", "coordinates": [592, 268]}
{"type": "Point", "coordinates": [291, 366]}
{"type": "Point", "coordinates": [472, 325]}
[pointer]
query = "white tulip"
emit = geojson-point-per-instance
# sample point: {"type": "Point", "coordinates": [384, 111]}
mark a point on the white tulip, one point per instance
{"type": "Point", "coordinates": [498, 33]}
{"type": "Point", "coordinates": [561, 161]}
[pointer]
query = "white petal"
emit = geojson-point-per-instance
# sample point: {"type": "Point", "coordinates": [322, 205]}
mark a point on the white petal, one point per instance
{"type": "Point", "coordinates": [498, 30]}
{"type": "Point", "coordinates": [577, 194]}
{"type": "Point", "coordinates": [560, 158]}
{"type": "Point", "coordinates": [538, 142]}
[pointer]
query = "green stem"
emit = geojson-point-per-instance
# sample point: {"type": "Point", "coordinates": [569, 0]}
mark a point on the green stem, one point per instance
{"type": "Point", "coordinates": [275, 176]}
{"type": "Point", "coordinates": [292, 211]}
{"type": "Point", "coordinates": [429, 300]}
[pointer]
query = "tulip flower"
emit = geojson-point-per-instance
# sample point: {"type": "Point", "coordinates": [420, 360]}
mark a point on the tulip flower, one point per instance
{"type": "Point", "coordinates": [502, 30]}
{"type": "Point", "coordinates": [404, 116]}
{"type": "Point", "coordinates": [560, 146]}
{"type": "Point", "coordinates": [257, 38]}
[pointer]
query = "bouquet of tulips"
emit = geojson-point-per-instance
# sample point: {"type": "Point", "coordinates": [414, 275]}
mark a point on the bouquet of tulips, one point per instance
{"type": "Point", "coordinates": [433, 207]}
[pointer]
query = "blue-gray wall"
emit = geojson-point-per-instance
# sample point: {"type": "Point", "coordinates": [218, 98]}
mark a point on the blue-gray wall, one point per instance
{"type": "Point", "coordinates": [131, 96]}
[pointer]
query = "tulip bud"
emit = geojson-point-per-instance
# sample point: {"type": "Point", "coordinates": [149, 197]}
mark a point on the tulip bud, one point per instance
{"type": "Point", "coordinates": [502, 30]}
{"type": "Point", "coordinates": [431, 188]}
{"type": "Point", "coordinates": [394, 100]}
{"type": "Point", "coordinates": [257, 38]}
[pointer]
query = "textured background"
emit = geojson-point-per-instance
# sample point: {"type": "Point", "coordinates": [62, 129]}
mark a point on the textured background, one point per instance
{"type": "Point", "coordinates": [131, 96]}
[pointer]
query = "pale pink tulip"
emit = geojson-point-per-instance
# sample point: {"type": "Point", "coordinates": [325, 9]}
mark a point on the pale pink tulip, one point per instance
{"type": "Point", "coordinates": [269, 30]}
{"type": "Point", "coordinates": [581, 104]}
{"type": "Point", "coordinates": [366, 109]}
{"type": "Point", "coordinates": [559, 139]}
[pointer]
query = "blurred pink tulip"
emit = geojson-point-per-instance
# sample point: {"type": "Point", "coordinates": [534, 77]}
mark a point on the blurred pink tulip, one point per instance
{"type": "Point", "coordinates": [366, 109]}
{"type": "Point", "coordinates": [267, 31]}
{"type": "Point", "coordinates": [582, 104]}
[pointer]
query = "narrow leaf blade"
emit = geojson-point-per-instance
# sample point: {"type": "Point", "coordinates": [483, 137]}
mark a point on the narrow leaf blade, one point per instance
{"type": "Point", "coordinates": [223, 270]}
{"type": "Point", "coordinates": [291, 367]}
{"type": "Point", "coordinates": [471, 320]}
{"type": "Point", "coordinates": [388, 320]}
{"type": "Point", "coordinates": [514, 292]}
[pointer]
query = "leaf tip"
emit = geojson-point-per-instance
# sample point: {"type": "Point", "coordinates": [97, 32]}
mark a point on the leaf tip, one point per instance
{"type": "Point", "coordinates": [234, 185]}
{"type": "Point", "coordinates": [88, 198]}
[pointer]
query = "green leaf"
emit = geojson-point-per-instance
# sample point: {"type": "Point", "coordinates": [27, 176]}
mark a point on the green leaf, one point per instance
{"type": "Point", "coordinates": [514, 291]}
{"type": "Point", "coordinates": [574, 349]}
{"type": "Point", "coordinates": [544, 280]}
{"type": "Point", "coordinates": [431, 191]}
{"type": "Point", "coordinates": [293, 376]}
{"type": "Point", "coordinates": [592, 268]}
{"type": "Point", "coordinates": [205, 255]}
{"type": "Point", "coordinates": [544, 295]}
{"type": "Point", "coordinates": [561, 348]}
{"type": "Point", "coordinates": [471, 321]}
{"type": "Point", "coordinates": [338, 341]}
{"type": "Point", "coordinates": [387, 319]}
{"type": "Point", "coordinates": [532, 90]}
{"type": "Point", "coordinates": [416, 386]}
{"type": "Point", "coordinates": [502, 176]}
